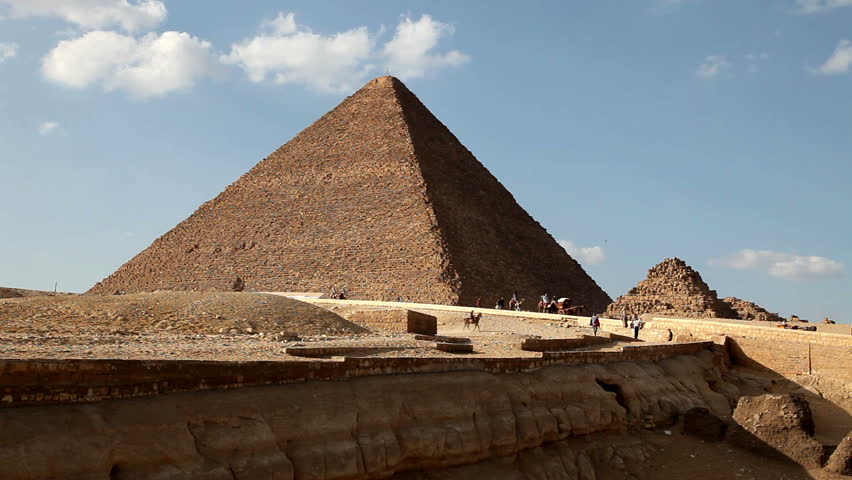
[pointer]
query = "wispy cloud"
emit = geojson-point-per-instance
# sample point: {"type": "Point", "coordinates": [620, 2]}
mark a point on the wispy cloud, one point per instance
{"type": "Point", "coordinates": [839, 60]}
{"type": "Point", "coordinates": [713, 66]}
{"type": "Point", "coordinates": [7, 51]}
{"type": "Point", "coordinates": [46, 128]}
{"type": "Point", "coordinates": [817, 6]}
{"type": "Point", "coordinates": [782, 264]}
{"type": "Point", "coordinates": [755, 60]}
{"type": "Point", "coordinates": [585, 255]}
{"type": "Point", "coordinates": [133, 16]}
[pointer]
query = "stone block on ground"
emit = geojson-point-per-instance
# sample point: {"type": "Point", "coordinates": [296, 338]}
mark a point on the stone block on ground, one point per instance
{"type": "Point", "coordinates": [455, 347]}
{"type": "Point", "coordinates": [441, 338]}
{"type": "Point", "coordinates": [421, 323]}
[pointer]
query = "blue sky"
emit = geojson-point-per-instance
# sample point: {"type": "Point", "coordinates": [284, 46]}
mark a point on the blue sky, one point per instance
{"type": "Point", "coordinates": [716, 131]}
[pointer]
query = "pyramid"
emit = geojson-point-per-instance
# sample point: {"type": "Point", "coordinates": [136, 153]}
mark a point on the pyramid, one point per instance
{"type": "Point", "coordinates": [377, 197]}
{"type": "Point", "coordinates": [672, 288]}
{"type": "Point", "coordinates": [751, 311]}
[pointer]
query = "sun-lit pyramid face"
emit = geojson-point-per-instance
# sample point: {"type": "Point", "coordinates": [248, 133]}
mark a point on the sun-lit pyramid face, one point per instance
{"type": "Point", "coordinates": [378, 197]}
{"type": "Point", "coordinates": [672, 288]}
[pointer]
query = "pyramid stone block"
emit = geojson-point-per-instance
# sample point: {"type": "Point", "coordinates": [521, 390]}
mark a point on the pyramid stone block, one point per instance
{"type": "Point", "coordinates": [377, 196]}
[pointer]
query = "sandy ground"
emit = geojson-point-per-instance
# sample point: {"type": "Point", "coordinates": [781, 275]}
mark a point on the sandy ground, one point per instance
{"type": "Point", "coordinates": [230, 326]}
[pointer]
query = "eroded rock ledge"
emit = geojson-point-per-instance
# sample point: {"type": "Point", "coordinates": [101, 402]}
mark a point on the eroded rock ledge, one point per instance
{"type": "Point", "coordinates": [368, 427]}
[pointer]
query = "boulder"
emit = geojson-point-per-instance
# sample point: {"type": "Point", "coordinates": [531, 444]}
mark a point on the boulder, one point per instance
{"type": "Point", "coordinates": [779, 423]}
{"type": "Point", "coordinates": [841, 460]}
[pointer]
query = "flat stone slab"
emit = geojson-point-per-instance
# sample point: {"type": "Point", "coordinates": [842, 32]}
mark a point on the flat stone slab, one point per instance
{"type": "Point", "coordinates": [455, 347]}
{"type": "Point", "coordinates": [442, 339]}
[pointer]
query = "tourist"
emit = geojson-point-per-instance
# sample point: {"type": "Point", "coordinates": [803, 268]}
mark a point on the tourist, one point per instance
{"type": "Point", "coordinates": [636, 326]}
{"type": "Point", "coordinates": [333, 291]}
{"type": "Point", "coordinates": [518, 305]}
{"type": "Point", "coordinates": [514, 297]}
{"type": "Point", "coordinates": [501, 303]}
{"type": "Point", "coordinates": [671, 335]}
{"type": "Point", "coordinates": [624, 318]}
{"type": "Point", "coordinates": [595, 323]}
{"type": "Point", "coordinates": [478, 302]}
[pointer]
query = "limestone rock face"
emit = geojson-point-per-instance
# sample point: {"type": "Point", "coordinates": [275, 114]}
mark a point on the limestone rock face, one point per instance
{"type": "Point", "coordinates": [377, 197]}
{"type": "Point", "coordinates": [782, 422]}
{"type": "Point", "coordinates": [672, 288]}
{"type": "Point", "coordinates": [366, 427]}
{"type": "Point", "coordinates": [751, 311]}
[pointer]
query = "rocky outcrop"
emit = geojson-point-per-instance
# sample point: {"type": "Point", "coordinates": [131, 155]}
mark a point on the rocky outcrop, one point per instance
{"type": "Point", "coordinates": [781, 423]}
{"type": "Point", "coordinates": [751, 311]}
{"type": "Point", "coordinates": [841, 460]}
{"type": "Point", "coordinates": [368, 427]}
{"type": "Point", "coordinates": [672, 288]}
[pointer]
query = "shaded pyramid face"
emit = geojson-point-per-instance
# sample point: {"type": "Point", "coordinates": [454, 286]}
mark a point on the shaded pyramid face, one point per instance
{"type": "Point", "coordinates": [377, 196]}
{"type": "Point", "coordinates": [672, 288]}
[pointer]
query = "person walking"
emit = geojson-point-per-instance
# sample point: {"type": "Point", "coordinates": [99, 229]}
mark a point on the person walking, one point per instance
{"type": "Point", "coordinates": [624, 318]}
{"type": "Point", "coordinates": [596, 323]}
{"type": "Point", "coordinates": [636, 326]}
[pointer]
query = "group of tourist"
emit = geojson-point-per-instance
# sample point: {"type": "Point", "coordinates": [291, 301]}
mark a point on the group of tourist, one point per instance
{"type": "Point", "coordinates": [633, 322]}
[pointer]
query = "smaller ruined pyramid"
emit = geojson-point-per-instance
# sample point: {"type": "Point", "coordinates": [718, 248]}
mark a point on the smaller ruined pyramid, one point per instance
{"type": "Point", "coordinates": [751, 311]}
{"type": "Point", "coordinates": [672, 288]}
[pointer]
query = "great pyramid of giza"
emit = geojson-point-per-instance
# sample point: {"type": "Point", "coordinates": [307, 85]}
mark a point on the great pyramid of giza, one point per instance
{"type": "Point", "coordinates": [672, 288]}
{"type": "Point", "coordinates": [377, 197]}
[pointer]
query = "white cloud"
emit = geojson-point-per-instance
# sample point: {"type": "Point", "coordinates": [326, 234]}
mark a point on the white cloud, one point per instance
{"type": "Point", "coordinates": [7, 51]}
{"type": "Point", "coordinates": [409, 52]}
{"type": "Point", "coordinates": [46, 128]}
{"type": "Point", "coordinates": [816, 6]}
{"type": "Point", "coordinates": [585, 255]}
{"type": "Point", "coordinates": [713, 65]}
{"type": "Point", "coordinates": [839, 60]}
{"type": "Point", "coordinates": [132, 16]}
{"type": "Point", "coordinates": [292, 54]}
{"type": "Point", "coordinates": [783, 265]}
{"type": "Point", "coordinates": [753, 60]}
{"type": "Point", "coordinates": [288, 53]}
{"type": "Point", "coordinates": [149, 66]}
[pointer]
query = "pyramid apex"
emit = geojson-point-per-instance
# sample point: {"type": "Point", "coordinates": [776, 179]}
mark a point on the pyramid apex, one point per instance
{"type": "Point", "coordinates": [386, 81]}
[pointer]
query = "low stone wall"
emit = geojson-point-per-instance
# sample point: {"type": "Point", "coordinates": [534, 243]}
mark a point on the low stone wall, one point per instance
{"type": "Point", "coordinates": [788, 352]}
{"type": "Point", "coordinates": [556, 344]}
{"type": "Point", "coordinates": [44, 381]}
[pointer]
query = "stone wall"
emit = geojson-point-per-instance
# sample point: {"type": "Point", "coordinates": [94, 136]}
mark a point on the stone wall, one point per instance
{"type": "Point", "coordinates": [31, 382]}
{"type": "Point", "coordinates": [377, 196]}
{"type": "Point", "coordinates": [785, 351]}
